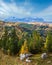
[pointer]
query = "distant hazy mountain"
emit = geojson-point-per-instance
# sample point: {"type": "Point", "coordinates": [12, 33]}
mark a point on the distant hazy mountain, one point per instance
{"type": "Point", "coordinates": [27, 19]}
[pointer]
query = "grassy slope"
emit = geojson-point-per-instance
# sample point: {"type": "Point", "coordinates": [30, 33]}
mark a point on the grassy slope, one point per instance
{"type": "Point", "coordinates": [10, 60]}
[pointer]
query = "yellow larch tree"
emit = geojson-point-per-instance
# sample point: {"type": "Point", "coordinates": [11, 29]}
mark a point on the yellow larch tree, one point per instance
{"type": "Point", "coordinates": [24, 48]}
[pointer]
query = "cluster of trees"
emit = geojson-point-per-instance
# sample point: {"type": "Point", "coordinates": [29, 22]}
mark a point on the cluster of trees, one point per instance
{"type": "Point", "coordinates": [11, 44]}
{"type": "Point", "coordinates": [35, 43]}
{"type": "Point", "coordinates": [48, 43]}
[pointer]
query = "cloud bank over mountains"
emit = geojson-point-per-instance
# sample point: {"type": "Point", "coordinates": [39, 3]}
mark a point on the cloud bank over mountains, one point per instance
{"type": "Point", "coordinates": [27, 19]}
{"type": "Point", "coordinates": [24, 9]}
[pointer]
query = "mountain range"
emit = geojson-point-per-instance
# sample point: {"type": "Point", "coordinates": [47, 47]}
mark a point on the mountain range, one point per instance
{"type": "Point", "coordinates": [25, 19]}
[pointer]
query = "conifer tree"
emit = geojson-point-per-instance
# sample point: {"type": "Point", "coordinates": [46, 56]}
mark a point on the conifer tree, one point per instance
{"type": "Point", "coordinates": [13, 42]}
{"type": "Point", "coordinates": [4, 40]}
{"type": "Point", "coordinates": [48, 44]}
{"type": "Point", "coordinates": [24, 48]}
{"type": "Point", "coordinates": [35, 44]}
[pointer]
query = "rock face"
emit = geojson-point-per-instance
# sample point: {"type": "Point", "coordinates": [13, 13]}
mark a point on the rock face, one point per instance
{"type": "Point", "coordinates": [44, 55]}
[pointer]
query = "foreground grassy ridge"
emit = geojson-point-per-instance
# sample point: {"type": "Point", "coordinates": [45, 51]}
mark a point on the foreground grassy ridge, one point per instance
{"type": "Point", "coordinates": [14, 60]}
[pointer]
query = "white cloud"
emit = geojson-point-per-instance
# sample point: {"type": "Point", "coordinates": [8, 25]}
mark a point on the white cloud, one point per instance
{"type": "Point", "coordinates": [46, 13]}
{"type": "Point", "coordinates": [1, 12]}
{"type": "Point", "coordinates": [11, 9]}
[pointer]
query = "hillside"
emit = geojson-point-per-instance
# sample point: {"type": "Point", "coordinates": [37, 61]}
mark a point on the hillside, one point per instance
{"type": "Point", "coordinates": [30, 37]}
{"type": "Point", "coordinates": [14, 60]}
{"type": "Point", "coordinates": [26, 26]}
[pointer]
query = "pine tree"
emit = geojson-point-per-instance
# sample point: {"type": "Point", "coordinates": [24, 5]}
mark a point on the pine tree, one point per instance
{"type": "Point", "coordinates": [35, 44]}
{"type": "Point", "coordinates": [4, 40]}
{"type": "Point", "coordinates": [48, 44]}
{"type": "Point", "coordinates": [13, 42]}
{"type": "Point", "coordinates": [0, 43]}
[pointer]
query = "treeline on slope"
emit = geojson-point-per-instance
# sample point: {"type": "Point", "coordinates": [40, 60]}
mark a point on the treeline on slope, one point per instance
{"type": "Point", "coordinates": [33, 43]}
{"type": "Point", "coordinates": [30, 27]}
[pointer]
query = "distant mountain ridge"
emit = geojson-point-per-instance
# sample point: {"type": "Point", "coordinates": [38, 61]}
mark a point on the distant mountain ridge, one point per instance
{"type": "Point", "coordinates": [25, 19]}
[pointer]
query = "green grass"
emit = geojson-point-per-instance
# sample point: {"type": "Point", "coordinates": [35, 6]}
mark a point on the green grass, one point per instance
{"type": "Point", "coordinates": [14, 60]}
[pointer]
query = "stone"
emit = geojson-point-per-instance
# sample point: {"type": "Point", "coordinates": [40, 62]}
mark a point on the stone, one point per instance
{"type": "Point", "coordinates": [27, 60]}
{"type": "Point", "coordinates": [22, 56]}
{"type": "Point", "coordinates": [48, 62]}
{"type": "Point", "coordinates": [44, 55]}
{"type": "Point", "coordinates": [28, 55]}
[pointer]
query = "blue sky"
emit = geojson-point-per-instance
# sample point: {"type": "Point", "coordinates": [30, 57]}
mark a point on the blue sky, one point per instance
{"type": "Point", "coordinates": [26, 8]}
